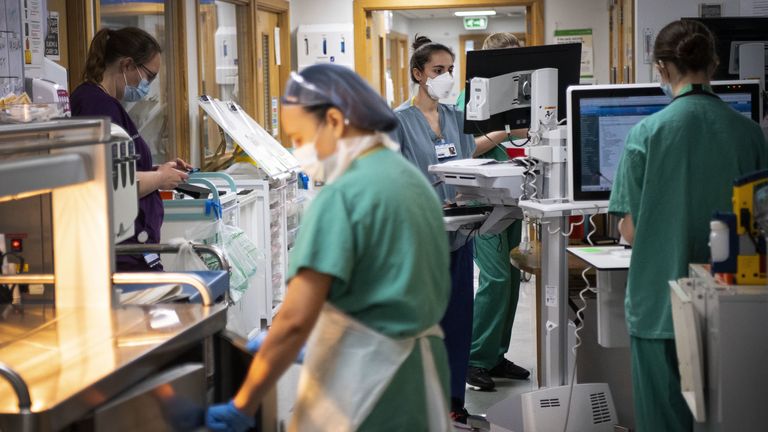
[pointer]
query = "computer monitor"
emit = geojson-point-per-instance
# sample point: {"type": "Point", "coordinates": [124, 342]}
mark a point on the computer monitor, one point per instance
{"type": "Point", "coordinates": [599, 120]}
{"type": "Point", "coordinates": [730, 32]}
{"type": "Point", "coordinates": [566, 58]}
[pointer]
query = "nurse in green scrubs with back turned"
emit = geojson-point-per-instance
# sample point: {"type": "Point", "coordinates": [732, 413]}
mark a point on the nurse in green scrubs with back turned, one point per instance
{"type": "Point", "coordinates": [368, 276]}
{"type": "Point", "coordinates": [677, 169]}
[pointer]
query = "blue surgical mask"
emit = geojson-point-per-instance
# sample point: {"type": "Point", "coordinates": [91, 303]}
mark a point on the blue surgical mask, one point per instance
{"type": "Point", "coordinates": [667, 89]}
{"type": "Point", "coordinates": [135, 93]}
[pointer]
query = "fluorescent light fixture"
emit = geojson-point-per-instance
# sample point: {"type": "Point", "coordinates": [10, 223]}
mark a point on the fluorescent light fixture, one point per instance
{"type": "Point", "coordinates": [475, 13]}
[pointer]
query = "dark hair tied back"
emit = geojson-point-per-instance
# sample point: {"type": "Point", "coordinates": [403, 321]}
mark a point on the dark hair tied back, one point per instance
{"type": "Point", "coordinates": [109, 46]}
{"type": "Point", "coordinates": [689, 45]}
{"type": "Point", "coordinates": [423, 48]}
{"type": "Point", "coordinates": [420, 41]}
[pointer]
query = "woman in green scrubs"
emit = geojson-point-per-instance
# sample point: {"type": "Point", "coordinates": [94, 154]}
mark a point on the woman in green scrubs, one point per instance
{"type": "Point", "coordinates": [498, 284]}
{"type": "Point", "coordinates": [368, 275]}
{"type": "Point", "coordinates": [677, 169]}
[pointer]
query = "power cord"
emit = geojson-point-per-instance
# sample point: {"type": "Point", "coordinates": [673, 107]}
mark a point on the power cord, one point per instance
{"type": "Point", "coordinates": [495, 144]}
{"type": "Point", "coordinates": [580, 318]}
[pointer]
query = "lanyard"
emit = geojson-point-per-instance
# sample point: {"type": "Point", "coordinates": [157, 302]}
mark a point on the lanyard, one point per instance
{"type": "Point", "coordinates": [696, 89]}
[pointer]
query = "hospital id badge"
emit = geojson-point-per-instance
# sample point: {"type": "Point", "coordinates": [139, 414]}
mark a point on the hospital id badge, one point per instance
{"type": "Point", "coordinates": [445, 150]}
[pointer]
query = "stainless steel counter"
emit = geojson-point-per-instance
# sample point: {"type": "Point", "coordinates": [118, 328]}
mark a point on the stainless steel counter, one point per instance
{"type": "Point", "coordinates": [74, 360]}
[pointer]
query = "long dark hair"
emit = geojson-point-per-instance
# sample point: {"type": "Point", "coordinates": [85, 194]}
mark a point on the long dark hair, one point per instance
{"type": "Point", "coordinates": [689, 45]}
{"type": "Point", "coordinates": [423, 48]}
{"type": "Point", "coordinates": [109, 46]}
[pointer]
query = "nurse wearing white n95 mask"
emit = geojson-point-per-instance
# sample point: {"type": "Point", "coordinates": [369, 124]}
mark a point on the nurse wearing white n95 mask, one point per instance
{"type": "Point", "coordinates": [368, 279]}
{"type": "Point", "coordinates": [430, 133]}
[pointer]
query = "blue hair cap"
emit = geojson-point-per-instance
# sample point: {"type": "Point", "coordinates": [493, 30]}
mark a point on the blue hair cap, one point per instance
{"type": "Point", "coordinates": [340, 87]}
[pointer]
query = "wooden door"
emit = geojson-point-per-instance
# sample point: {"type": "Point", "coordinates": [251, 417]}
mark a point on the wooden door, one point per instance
{"type": "Point", "coordinates": [383, 66]}
{"type": "Point", "coordinates": [468, 42]}
{"type": "Point", "coordinates": [268, 73]}
{"type": "Point", "coordinates": [405, 70]}
{"type": "Point", "coordinates": [622, 41]}
{"type": "Point", "coordinates": [628, 41]}
{"type": "Point", "coordinates": [398, 66]}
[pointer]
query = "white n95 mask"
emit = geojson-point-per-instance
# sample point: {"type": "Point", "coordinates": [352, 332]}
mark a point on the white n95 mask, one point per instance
{"type": "Point", "coordinates": [440, 86]}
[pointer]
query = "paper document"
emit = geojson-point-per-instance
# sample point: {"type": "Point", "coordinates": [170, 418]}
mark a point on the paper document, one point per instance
{"type": "Point", "coordinates": [153, 295]}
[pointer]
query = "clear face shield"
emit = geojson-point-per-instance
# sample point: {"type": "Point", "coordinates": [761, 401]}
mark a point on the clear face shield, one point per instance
{"type": "Point", "coordinates": [299, 91]}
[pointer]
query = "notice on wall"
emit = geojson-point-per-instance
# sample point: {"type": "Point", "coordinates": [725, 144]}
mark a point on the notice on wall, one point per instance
{"type": "Point", "coordinates": [710, 10]}
{"type": "Point", "coordinates": [34, 47]}
{"type": "Point", "coordinates": [11, 56]}
{"type": "Point", "coordinates": [753, 7]}
{"type": "Point", "coordinates": [275, 119]}
{"type": "Point", "coordinates": [584, 37]}
{"type": "Point", "coordinates": [52, 37]}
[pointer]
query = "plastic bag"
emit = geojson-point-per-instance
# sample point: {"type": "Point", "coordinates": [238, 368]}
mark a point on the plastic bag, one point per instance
{"type": "Point", "coordinates": [245, 258]}
{"type": "Point", "coordinates": [186, 259]}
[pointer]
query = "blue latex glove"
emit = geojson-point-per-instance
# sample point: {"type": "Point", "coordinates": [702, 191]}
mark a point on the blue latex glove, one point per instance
{"type": "Point", "coordinates": [225, 417]}
{"type": "Point", "coordinates": [254, 345]}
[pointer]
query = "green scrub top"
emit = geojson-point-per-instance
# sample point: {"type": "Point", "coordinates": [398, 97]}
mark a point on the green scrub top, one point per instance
{"type": "Point", "coordinates": [677, 169]}
{"type": "Point", "coordinates": [378, 230]}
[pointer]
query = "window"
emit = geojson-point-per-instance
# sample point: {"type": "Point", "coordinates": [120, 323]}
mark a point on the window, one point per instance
{"type": "Point", "coordinates": [151, 114]}
{"type": "Point", "coordinates": [220, 73]}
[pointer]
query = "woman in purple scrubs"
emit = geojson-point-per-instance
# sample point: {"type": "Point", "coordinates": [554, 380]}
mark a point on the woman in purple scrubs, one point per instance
{"type": "Point", "coordinates": [120, 67]}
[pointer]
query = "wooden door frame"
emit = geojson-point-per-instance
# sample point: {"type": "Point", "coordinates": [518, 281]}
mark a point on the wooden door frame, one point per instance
{"type": "Point", "coordinates": [176, 34]}
{"type": "Point", "coordinates": [534, 20]}
{"type": "Point", "coordinates": [82, 19]}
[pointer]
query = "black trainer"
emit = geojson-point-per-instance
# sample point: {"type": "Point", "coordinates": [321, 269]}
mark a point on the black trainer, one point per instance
{"type": "Point", "coordinates": [480, 379]}
{"type": "Point", "coordinates": [507, 369]}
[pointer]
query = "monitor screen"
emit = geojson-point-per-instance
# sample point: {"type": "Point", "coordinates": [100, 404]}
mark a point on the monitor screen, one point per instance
{"type": "Point", "coordinates": [600, 120]}
{"type": "Point", "coordinates": [730, 32]}
{"type": "Point", "coordinates": [566, 58]}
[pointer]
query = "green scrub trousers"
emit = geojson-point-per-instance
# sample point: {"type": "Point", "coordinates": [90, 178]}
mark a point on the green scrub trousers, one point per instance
{"type": "Point", "coordinates": [496, 298]}
{"type": "Point", "coordinates": [659, 404]}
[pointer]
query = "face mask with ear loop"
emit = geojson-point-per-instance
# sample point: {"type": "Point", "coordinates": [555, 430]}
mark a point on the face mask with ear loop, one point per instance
{"type": "Point", "coordinates": [336, 164]}
{"type": "Point", "coordinates": [135, 93]}
{"type": "Point", "coordinates": [440, 86]}
{"type": "Point", "coordinates": [666, 87]}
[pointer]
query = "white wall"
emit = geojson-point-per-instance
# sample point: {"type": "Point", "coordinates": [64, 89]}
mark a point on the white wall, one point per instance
{"type": "Point", "coordinates": [400, 24]}
{"type": "Point", "coordinates": [652, 15]}
{"type": "Point", "coordinates": [447, 30]}
{"type": "Point", "coordinates": [577, 14]}
{"type": "Point", "coordinates": [320, 12]}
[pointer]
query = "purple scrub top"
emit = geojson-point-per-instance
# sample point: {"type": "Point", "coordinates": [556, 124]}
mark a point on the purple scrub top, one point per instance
{"type": "Point", "coordinates": [89, 99]}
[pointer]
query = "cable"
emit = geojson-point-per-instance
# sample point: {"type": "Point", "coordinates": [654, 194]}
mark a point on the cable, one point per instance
{"type": "Point", "coordinates": [593, 230]}
{"type": "Point", "coordinates": [495, 144]}
{"type": "Point", "coordinates": [580, 318]}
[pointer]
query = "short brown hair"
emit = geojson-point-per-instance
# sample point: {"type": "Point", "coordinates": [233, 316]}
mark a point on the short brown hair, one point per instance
{"type": "Point", "coordinates": [501, 40]}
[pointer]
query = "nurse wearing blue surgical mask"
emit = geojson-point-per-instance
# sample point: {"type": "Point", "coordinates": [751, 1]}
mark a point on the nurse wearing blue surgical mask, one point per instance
{"type": "Point", "coordinates": [121, 66]}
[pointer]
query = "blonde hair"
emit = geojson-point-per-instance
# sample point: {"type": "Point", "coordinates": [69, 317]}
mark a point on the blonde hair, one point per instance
{"type": "Point", "coordinates": [501, 40]}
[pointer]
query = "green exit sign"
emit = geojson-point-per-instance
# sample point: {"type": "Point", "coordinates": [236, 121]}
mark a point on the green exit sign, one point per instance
{"type": "Point", "coordinates": [475, 23]}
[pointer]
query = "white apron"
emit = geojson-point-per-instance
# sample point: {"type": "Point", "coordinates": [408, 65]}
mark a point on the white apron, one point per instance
{"type": "Point", "coordinates": [347, 369]}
